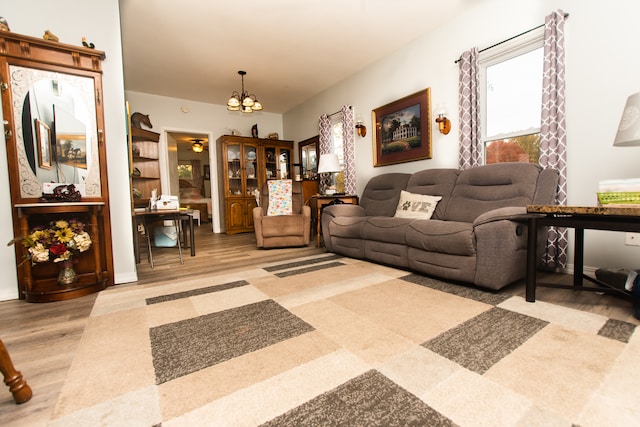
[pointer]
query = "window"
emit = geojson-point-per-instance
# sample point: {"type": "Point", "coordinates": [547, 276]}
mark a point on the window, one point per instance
{"type": "Point", "coordinates": [337, 139]}
{"type": "Point", "coordinates": [511, 97]}
{"type": "Point", "coordinates": [185, 171]}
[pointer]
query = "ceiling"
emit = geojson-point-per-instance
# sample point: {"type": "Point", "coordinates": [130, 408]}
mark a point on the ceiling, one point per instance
{"type": "Point", "coordinates": [291, 49]}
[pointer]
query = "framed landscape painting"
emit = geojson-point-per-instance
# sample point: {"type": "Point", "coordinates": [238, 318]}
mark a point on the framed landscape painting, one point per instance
{"type": "Point", "coordinates": [402, 130]}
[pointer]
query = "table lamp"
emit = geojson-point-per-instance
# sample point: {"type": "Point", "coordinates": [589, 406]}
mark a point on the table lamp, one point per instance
{"type": "Point", "coordinates": [629, 128]}
{"type": "Point", "coordinates": [330, 164]}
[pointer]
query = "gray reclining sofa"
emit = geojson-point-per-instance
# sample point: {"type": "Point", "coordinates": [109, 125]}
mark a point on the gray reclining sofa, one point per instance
{"type": "Point", "coordinates": [477, 233]}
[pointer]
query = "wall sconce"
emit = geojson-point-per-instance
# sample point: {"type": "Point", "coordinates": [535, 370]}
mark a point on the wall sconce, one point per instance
{"type": "Point", "coordinates": [444, 124]}
{"type": "Point", "coordinates": [360, 127]}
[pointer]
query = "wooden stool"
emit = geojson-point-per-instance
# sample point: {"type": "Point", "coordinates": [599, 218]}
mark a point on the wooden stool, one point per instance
{"type": "Point", "coordinates": [17, 385]}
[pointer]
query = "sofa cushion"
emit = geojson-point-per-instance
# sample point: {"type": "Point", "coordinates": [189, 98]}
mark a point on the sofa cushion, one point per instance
{"type": "Point", "coordinates": [435, 182]}
{"type": "Point", "coordinates": [386, 229]}
{"type": "Point", "coordinates": [481, 189]}
{"type": "Point", "coordinates": [381, 195]}
{"type": "Point", "coordinates": [419, 206]}
{"type": "Point", "coordinates": [448, 237]}
{"type": "Point", "coordinates": [282, 225]}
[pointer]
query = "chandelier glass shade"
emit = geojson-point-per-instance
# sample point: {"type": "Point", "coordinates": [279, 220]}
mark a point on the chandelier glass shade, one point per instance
{"type": "Point", "coordinates": [243, 101]}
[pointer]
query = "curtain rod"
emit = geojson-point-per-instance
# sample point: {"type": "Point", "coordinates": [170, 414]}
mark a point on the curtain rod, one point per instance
{"type": "Point", "coordinates": [338, 112]}
{"type": "Point", "coordinates": [566, 15]}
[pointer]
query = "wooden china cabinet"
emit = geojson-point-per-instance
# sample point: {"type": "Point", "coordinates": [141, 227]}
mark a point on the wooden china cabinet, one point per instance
{"type": "Point", "coordinates": [244, 165]}
{"type": "Point", "coordinates": [52, 101]}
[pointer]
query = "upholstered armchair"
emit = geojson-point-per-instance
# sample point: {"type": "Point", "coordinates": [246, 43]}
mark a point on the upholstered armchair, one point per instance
{"type": "Point", "coordinates": [281, 221]}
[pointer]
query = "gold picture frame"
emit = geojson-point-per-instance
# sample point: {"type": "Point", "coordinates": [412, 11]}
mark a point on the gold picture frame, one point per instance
{"type": "Point", "coordinates": [43, 138]}
{"type": "Point", "coordinates": [402, 130]}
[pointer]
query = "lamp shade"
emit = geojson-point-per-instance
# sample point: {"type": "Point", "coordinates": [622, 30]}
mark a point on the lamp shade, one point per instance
{"type": "Point", "coordinates": [328, 163]}
{"type": "Point", "coordinates": [629, 127]}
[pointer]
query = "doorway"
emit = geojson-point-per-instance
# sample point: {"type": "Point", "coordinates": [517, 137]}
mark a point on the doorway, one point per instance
{"type": "Point", "coordinates": [192, 173]}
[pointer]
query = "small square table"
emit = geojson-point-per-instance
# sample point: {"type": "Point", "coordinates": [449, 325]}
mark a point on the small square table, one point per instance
{"type": "Point", "coordinates": [178, 216]}
{"type": "Point", "coordinates": [608, 217]}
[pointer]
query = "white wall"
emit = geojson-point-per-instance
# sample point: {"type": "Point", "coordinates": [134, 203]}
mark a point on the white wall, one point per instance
{"type": "Point", "coordinates": [70, 20]}
{"type": "Point", "coordinates": [214, 120]}
{"type": "Point", "coordinates": [602, 70]}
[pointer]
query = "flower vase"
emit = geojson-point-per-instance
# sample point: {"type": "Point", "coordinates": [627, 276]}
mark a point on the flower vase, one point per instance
{"type": "Point", "coordinates": [67, 275]}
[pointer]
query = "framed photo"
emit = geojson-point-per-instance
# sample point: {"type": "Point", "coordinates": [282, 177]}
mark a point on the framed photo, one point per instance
{"type": "Point", "coordinates": [402, 130]}
{"type": "Point", "coordinates": [43, 139]}
{"type": "Point", "coordinates": [71, 149]}
{"type": "Point", "coordinates": [207, 172]}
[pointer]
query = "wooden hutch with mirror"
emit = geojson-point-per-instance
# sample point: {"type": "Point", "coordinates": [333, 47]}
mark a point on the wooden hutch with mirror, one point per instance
{"type": "Point", "coordinates": [52, 101]}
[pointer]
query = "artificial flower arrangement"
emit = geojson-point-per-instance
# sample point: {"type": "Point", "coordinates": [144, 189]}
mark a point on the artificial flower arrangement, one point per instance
{"type": "Point", "coordinates": [59, 242]}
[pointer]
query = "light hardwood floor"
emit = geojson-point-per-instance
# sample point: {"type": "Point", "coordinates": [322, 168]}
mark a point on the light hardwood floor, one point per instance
{"type": "Point", "coordinates": [42, 338]}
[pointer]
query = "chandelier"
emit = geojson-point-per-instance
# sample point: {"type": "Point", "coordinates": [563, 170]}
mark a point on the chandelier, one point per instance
{"type": "Point", "coordinates": [197, 146]}
{"type": "Point", "coordinates": [243, 101]}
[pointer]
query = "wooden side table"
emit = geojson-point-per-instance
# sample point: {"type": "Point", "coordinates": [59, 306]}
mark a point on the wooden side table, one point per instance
{"type": "Point", "coordinates": [319, 201]}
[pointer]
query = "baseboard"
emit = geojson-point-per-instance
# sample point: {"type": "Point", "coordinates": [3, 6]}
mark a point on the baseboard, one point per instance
{"type": "Point", "coordinates": [569, 269]}
{"type": "Point", "coordinates": [119, 279]}
{"type": "Point", "coordinates": [8, 294]}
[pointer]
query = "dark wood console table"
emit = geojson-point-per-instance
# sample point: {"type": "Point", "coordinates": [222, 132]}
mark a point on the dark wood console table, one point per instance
{"type": "Point", "coordinates": [610, 218]}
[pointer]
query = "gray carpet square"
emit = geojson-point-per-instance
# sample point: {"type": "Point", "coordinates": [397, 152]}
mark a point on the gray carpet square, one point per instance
{"type": "Point", "coordinates": [370, 399]}
{"type": "Point", "coordinates": [190, 345]}
{"type": "Point", "coordinates": [194, 292]}
{"type": "Point", "coordinates": [461, 290]}
{"type": "Point", "coordinates": [301, 263]}
{"type": "Point", "coordinates": [310, 269]}
{"type": "Point", "coordinates": [484, 340]}
{"type": "Point", "coordinates": [617, 330]}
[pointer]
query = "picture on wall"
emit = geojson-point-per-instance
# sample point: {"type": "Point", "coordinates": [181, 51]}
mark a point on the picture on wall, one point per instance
{"type": "Point", "coordinates": [71, 149]}
{"type": "Point", "coordinates": [43, 138]}
{"type": "Point", "coordinates": [402, 130]}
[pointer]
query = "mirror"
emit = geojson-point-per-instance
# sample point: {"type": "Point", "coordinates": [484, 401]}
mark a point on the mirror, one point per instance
{"type": "Point", "coordinates": [56, 131]}
{"type": "Point", "coordinates": [308, 157]}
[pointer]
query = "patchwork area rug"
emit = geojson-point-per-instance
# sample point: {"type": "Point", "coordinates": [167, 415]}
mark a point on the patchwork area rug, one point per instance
{"type": "Point", "coordinates": [326, 340]}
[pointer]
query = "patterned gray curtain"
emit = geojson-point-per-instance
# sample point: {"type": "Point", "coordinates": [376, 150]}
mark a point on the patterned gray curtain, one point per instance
{"type": "Point", "coordinates": [553, 130]}
{"type": "Point", "coordinates": [469, 110]}
{"type": "Point", "coordinates": [349, 150]}
{"type": "Point", "coordinates": [325, 146]}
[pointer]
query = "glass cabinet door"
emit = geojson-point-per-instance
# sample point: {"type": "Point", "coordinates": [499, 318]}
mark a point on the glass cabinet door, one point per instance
{"type": "Point", "coordinates": [251, 169]}
{"type": "Point", "coordinates": [234, 170]}
{"type": "Point", "coordinates": [271, 162]}
{"type": "Point", "coordinates": [285, 161]}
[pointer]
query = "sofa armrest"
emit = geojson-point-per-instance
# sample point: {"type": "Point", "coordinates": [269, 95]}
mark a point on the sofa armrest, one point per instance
{"type": "Point", "coordinates": [334, 211]}
{"type": "Point", "coordinates": [257, 226]}
{"type": "Point", "coordinates": [343, 210]}
{"type": "Point", "coordinates": [511, 213]}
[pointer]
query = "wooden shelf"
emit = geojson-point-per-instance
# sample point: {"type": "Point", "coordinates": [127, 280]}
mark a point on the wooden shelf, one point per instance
{"type": "Point", "coordinates": [146, 161]}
